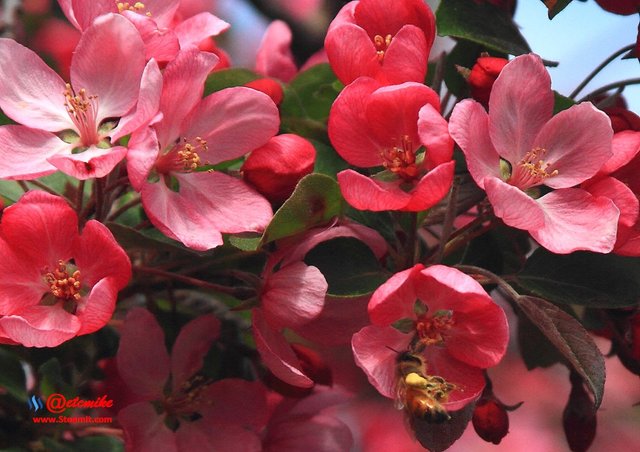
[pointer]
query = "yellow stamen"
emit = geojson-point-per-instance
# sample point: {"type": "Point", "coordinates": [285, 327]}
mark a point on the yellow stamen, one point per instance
{"type": "Point", "coordinates": [401, 160]}
{"type": "Point", "coordinates": [381, 45]}
{"type": "Point", "coordinates": [62, 285]}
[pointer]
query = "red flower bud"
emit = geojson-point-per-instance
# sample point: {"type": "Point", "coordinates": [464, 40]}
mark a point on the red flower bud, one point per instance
{"type": "Point", "coordinates": [622, 119]}
{"type": "Point", "coordinates": [622, 7]}
{"type": "Point", "coordinates": [482, 76]}
{"type": "Point", "coordinates": [490, 420]}
{"type": "Point", "coordinates": [579, 416]}
{"type": "Point", "coordinates": [268, 86]}
{"type": "Point", "coordinates": [275, 168]}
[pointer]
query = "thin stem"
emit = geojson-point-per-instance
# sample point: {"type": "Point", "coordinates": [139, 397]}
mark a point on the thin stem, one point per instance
{"type": "Point", "coordinates": [80, 196]}
{"type": "Point", "coordinates": [98, 191]}
{"type": "Point", "coordinates": [492, 277]}
{"type": "Point", "coordinates": [23, 185]}
{"type": "Point", "coordinates": [610, 86]}
{"type": "Point", "coordinates": [190, 280]}
{"type": "Point", "coordinates": [449, 218]}
{"type": "Point", "coordinates": [602, 65]}
{"type": "Point", "coordinates": [412, 242]}
{"type": "Point", "coordinates": [134, 202]}
{"type": "Point", "coordinates": [46, 188]}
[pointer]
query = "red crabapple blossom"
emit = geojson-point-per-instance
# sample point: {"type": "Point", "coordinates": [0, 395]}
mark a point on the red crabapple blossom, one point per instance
{"type": "Point", "coordinates": [67, 126]}
{"type": "Point", "coordinates": [399, 128]}
{"type": "Point", "coordinates": [519, 147]}
{"type": "Point", "coordinates": [56, 282]}
{"type": "Point", "coordinates": [442, 314]}
{"type": "Point", "coordinates": [387, 40]}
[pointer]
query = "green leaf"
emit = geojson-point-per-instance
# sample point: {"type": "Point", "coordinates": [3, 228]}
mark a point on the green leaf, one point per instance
{"type": "Point", "coordinates": [583, 278]}
{"type": "Point", "coordinates": [226, 78]}
{"type": "Point", "coordinates": [555, 6]}
{"type": "Point", "coordinates": [570, 339]}
{"type": "Point", "coordinates": [327, 160]}
{"type": "Point", "coordinates": [52, 381]}
{"type": "Point", "coordinates": [315, 200]}
{"type": "Point", "coordinates": [249, 242]}
{"type": "Point", "coordinates": [310, 95]}
{"type": "Point", "coordinates": [12, 377]}
{"type": "Point", "coordinates": [536, 350]}
{"type": "Point", "coordinates": [349, 266]}
{"type": "Point", "coordinates": [561, 102]}
{"type": "Point", "coordinates": [480, 23]}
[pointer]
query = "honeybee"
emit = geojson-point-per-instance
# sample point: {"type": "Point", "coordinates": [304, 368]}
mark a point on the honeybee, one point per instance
{"type": "Point", "coordinates": [421, 395]}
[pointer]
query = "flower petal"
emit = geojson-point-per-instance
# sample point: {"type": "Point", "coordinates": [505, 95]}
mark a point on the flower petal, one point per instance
{"type": "Point", "coordinates": [229, 398]}
{"type": "Point", "coordinates": [432, 188]}
{"type": "Point", "coordinates": [513, 205]}
{"type": "Point", "coordinates": [85, 12]}
{"type": "Point", "coordinates": [394, 300]}
{"type": "Point", "coordinates": [277, 354]}
{"type": "Point", "coordinates": [517, 110]}
{"type": "Point", "coordinates": [21, 281]}
{"type": "Point", "coordinates": [348, 126]}
{"type": "Point", "coordinates": [96, 308]}
{"type": "Point", "coordinates": [351, 53]}
{"type": "Point", "coordinates": [114, 77]}
{"type": "Point", "coordinates": [191, 346]}
{"type": "Point", "coordinates": [621, 195]}
{"type": "Point", "coordinates": [24, 152]}
{"type": "Point", "coordinates": [202, 435]}
{"type": "Point", "coordinates": [144, 429]}
{"type": "Point", "coordinates": [198, 27]}
{"type": "Point", "coordinates": [143, 361]}
{"type": "Point", "coordinates": [159, 44]}
{"type": "Point", "coordinates": [233, 122]}
{"type": "Point", "coordinates": [406, 58]}
{"type": "Point", "coordinates": [31, 93]}
{"type": "Point", "coordinates": [575, 220]}
{"type": "Point", "coordinates": [469, 127]}
{"type": "Point", "coordinates": [365, 193]}
{"type": "Point", "coordinates": [376, 350]}
{"type": "Point", "coordinates": [625, 146]}
{"type": "Point", "coordinates": [40, 326]}
{"type": "Point", "coordinates": [434, 135]}
{"type": "Point", "coordinates": [569, 137]}
{"type": "Point", "coordinates": [93, 163]}
{"type": "Point", "coordinates": [274, 57]}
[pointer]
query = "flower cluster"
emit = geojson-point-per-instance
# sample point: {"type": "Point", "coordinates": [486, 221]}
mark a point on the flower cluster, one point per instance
{"type": "Point", "coordinates": [259, 259]}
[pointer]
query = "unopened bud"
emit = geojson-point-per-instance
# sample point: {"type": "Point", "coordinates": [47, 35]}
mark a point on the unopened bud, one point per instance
{"type": "Point", "coordinates": [270, 87]}
{"type": "Point", "coordinates": [482, 76]}
{"type": "Point", "coordinates": [490, 420]}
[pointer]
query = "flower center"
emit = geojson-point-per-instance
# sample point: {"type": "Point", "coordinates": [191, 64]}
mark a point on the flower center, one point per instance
{"type": "Point", "coordinates": [185, 401]}
{"type": "Point", "coordinates": [83, 111]}
{"type": "Point", "coordinates": [433, 329]}
{"type": "Point", "coordinates": [532, 170]}
{"type": "Point", "coordinates": [401, 160]}
{"type": "Point", "coordinates": [183, 157]}
{"type": "Point", "coordinates": [137, 7]}
{"type": "Point", "coordinates": [64, 286]}
{"type": "Point", "coordinates": [381, 45]}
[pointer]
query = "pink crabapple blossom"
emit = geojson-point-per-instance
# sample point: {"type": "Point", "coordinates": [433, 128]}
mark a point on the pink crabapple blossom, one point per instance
{"type": "Point", "coordinates": [165, 163]}
{"type": "Point", "coordinates": [202, 414]}
{"type": "Point", "coordinates": [56, 282]}
{"type": "Point", "coordinates": [450, 320]}
{"type": "Point", "coordinates": [101, 89]}
{"type": "Point", "coordinates": [371, 125]}
{"type": "Point", "coordinates": [387, 40]}
{"type": "Point", "coordinates": [519, 146]}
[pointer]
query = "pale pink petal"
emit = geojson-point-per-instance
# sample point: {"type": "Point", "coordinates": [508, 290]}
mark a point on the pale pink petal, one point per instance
{"type": "Point", "coordinates": [141, 156]}
{"type": "Point", "coordinates": [162, 11]}
{"type": "Point", "coordinates": [274, 57]}
{"type": "Point", "coordinates": [143, 361]}
{"type": "Point", "coordinates": [178, 217]}
{"type": "Point", "coordinates": [434, 135]}
{"type": "Point", "coordinates": [24, 152]}
{"type": "Point", "coordinates": [440, 286]}
{"type": "Point", "coordinates": [338, 321]}
{"type": "Point", "coordinates": [31, 93]}
{"type": "Point", "coordinates": [228, 204]}
{"type": "Point", "coordinates": [233, 122]}
{"type": "Point", "coordinates": [146, 109]}
{"type": "Point", "coordinates": [277, 354]}
{"type": "Point", "coordinates": [160, 44]}
{"type": "Point", "coordinates": [469, 127]}
{"type": "Point", "coordinates": [96, 308]}
{"type": "Point", "coordinates": [391, 113]}
{"type": "Point", "coordinates": [568, 138]}
{"type": "Point", "coordinates": [518, 110]}
{"type": "Point", "coordinates": [85, 12]}
{"type": "Point", "coordinates": [182, 90]}
{"type": "Point", "coordinates": [293, 296]}
{"type": "Point", "coordinates": [115, 76]}
{"type": "Point", "coordinates": [191, 346]}
{"type": "Point", "coordinates": [201, 435]}
{"type": "Point", "coordinates": [625, 146]}
{"type": "Point", "coordinates": [145, 430]}
{"type": "Point", "coordinates": [229, 398]}
{"type": "Point", "coordinates": [376, 350]}
{"type": "Point", "coordinates": [394, 300]}
{"type": "Point", "coordinates": [405, 60]}
{"type": "Point", "coordinates": [576, 220]}
{"type": "Point", "coordinates": [93, 163]}
{"type": "Point", "coordinates": [351, 53]}
{"type": "Point", "coordinates": [40, 326]}
{"type": "Point", "coordinates": [325, 432]}
{"type": "Point", "coordinates": [513, 205]}
{"type": "Point", "coordinates": [432, 188]}
{"type": "Point", "coordinates": [193, 30]}
{"type": "Point", "coordinates": [42, 227]}
{"type": "Point", "coordinates": [621, 195]}
{"type": "Point", "coordinates": [365, 193]}
{"type": "Point", "coordinates": [67, 9]}
{"type": "Point", "coordinates": [349, 128]}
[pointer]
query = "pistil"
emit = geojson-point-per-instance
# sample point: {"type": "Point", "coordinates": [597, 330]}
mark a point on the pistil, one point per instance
{"type": "Point", "coordinates": [381, 45]}
{"type": "Point", "coordinates": [83, 110]}
{"type": "Point", "coordinates": [532, 170]}
{"type": "Point", "coordinates": [401, 160]}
